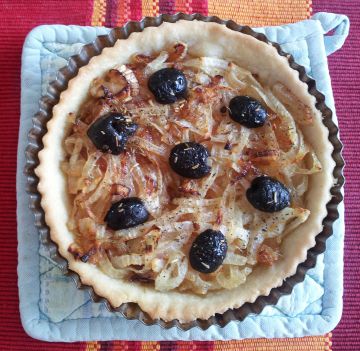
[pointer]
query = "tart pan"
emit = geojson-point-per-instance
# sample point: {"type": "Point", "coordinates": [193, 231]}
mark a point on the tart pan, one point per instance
{"type": "Point", "coordinates": [132, 311]}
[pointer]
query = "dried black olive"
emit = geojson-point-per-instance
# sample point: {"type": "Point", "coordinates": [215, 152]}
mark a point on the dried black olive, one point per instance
{"type": "Point", "coordinates": [126, 213]}
{"type": "Point", "coordinates": [208, 251]}
{"type": "Point", "coordinates": [247, 111]}
{"type": "Point", "coordinates": [110, 132]}
{"type": "Point", "coordinates": [167, 85]}
{"type": "Point", "coordinates": [268, 194]}
{"type": "Point", "coordinates": [190, 160]}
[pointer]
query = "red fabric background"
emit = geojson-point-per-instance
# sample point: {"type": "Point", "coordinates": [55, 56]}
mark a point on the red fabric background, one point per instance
{"type": "Point", "coordinates": [345, 75]}
{"type": "Point", "coordinates": [18, 17]}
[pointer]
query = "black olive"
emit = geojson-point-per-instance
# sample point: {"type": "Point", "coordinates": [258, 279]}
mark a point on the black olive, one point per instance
{"type": "Point", "coordinates": [126, 213]}
{"type": "Point", "coordinates": [208, 251]}
{"type": "Point", "coordinates": [190, 160]}
{"type": "Point", "coordinates": [168, 85]}
{"type": "Point", "coordinates": [247, 111]}
{"type": "Point", "coordinates": [110, 132]}
{"type": "Point", "coordinates": [268, 194]}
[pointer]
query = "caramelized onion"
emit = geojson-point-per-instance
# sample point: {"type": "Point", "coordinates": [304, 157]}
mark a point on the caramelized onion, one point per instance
{"type": "Point", "coordinates": [155, 251]}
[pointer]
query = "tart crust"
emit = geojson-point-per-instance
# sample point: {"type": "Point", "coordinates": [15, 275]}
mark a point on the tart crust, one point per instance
{"type": "Point", "coordinates": [203, 39]}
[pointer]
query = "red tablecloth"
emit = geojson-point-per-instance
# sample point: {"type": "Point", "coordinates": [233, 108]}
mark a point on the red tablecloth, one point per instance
{"type": "Point", "coordinates": [345, 75]}
{"type": "Point", "coordinates": [18, 17]}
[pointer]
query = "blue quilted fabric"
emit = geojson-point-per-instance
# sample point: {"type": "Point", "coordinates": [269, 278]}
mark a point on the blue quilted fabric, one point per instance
{"type": "Point", "coordinates": [53, 309]}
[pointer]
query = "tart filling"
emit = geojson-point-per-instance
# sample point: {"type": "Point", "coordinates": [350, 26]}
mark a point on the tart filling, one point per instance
{"type": "Point", "coordinates": [171, 147]}
{"type": "Point", "coordinates": [187, 174]}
